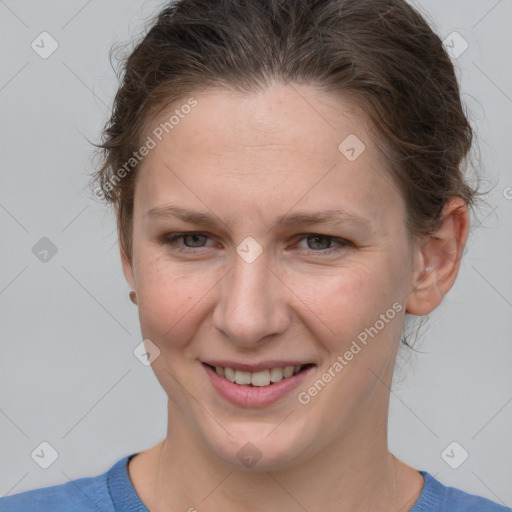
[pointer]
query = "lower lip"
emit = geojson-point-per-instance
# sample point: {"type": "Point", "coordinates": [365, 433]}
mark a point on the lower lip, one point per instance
{"type": "Point", "coordinates": [255, 396]}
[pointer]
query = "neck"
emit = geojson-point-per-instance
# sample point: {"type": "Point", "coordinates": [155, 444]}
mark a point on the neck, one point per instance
{"type": "Point", "coordinates": [357, 472]}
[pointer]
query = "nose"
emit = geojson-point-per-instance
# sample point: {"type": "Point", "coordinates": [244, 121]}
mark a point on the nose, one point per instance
{"type": "Point", "coordinates": [252, 304]}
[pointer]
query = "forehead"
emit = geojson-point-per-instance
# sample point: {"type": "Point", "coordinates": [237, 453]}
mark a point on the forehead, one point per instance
{"type": "Point", "coordinates": [302, 117]}
{"type": "Point", "coordinates": [268, 149]}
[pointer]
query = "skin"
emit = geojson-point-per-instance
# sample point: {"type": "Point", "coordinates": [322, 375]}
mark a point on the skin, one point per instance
{"type": "Point", "coordinates": [247, 159]}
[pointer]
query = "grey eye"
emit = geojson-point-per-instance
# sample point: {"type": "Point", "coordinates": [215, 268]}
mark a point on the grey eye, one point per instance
{"type": "Point", "coordinates": [194, 239]}
{"type": "Point", "coordinates": [319, 241]}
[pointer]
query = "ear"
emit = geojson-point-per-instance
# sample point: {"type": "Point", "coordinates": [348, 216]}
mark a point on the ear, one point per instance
{"type": "Point", "coordinates": [438, 259]}
{"type": "Point", "coordinates": [126, 262]}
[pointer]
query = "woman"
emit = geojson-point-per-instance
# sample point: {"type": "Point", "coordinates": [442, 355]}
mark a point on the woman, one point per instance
{"type": "Point", "coordinates": [287, 177]}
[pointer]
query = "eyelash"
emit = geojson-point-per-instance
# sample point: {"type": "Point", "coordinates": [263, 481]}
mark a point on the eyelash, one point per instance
{"type": "Point", "coordinates": [171, 239]}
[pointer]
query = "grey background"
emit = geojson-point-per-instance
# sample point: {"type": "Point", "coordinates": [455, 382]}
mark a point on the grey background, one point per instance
{"type": "Point", "coordinates": [68, 375]}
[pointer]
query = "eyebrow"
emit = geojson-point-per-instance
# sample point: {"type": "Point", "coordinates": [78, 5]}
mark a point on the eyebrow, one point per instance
{"type": "Point", "coordinates": [333, 217]}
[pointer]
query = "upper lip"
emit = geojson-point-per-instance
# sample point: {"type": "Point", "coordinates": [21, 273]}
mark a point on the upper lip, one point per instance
{"type": "Point", "coordinates": [255, 367]}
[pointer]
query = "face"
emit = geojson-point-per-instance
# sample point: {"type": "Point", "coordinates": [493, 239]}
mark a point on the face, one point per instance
{"type": "Point", "coordinates": [255, 279]}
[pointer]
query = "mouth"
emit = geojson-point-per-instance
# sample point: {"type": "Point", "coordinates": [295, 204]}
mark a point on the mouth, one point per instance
{"type": "Point", "coordinates": [265, 377]}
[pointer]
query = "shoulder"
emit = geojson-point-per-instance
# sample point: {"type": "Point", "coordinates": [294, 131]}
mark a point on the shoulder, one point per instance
{"type": "Point", "coordinates": [437, 497]}
{"type": "Point", "coordinates": [82, 494]}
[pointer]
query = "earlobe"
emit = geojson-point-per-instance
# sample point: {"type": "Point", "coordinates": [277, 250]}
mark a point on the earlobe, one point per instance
{"type": "Point", "coordinates": [439, 259]}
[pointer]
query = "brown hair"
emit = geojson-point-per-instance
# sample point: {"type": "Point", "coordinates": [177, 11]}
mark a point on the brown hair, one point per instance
{"type": "Point", "coordinates": [382, 52]}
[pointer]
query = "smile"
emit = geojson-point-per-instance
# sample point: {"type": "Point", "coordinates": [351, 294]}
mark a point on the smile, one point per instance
{"type": "Point", "coordinates": [260, 378]}
{"type": "Point", "coordinates": [266, 384]}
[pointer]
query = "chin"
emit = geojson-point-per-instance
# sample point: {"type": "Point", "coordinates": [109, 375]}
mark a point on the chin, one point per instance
{"type": "Point", "coordinates": [260, 447]}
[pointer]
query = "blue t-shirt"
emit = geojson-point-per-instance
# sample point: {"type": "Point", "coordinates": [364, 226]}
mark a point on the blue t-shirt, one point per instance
{"type": "Point", "coordinates": [113, 491]}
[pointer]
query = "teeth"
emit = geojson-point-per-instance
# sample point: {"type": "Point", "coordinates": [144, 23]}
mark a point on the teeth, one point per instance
{"type": "Point", "coordinates": [276, 374]}
{"type": "Point", "coordinates": [229, 373]}
{"type": "Point", "coordinates": [259, 379]}
{"type": "Point", "coordinates": [242, 377]}
{"type": "Point", "coordinates": [288, 371]}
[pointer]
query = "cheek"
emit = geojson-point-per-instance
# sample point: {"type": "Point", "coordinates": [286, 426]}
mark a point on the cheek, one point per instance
{"type": "Point", "coordinates": [337, 302]}
{"type": "Point", "coordinates": [170, 299]}
{"type": "Point", "coordinates": [346, 300]}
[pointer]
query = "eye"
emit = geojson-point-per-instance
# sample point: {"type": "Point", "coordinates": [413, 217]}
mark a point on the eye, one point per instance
{"type": "Point", "coordinates": [317, 243]}
{"type": "Point", "coordinates": [192, 240]}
